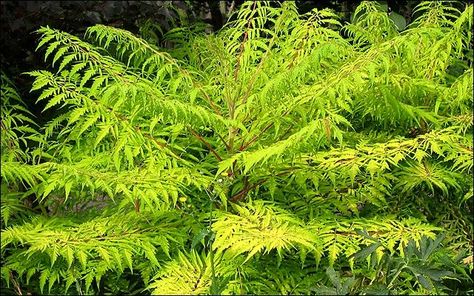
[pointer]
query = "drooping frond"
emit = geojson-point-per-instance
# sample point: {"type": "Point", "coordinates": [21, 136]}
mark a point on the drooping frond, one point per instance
{"type": "Point", "coordinates": [91, 248]}
{"type": "Point", "coordinates": [191, 273]}
{"type": "Point", "coordinates": [17, 125]}
{"type": "Point", "coordinates": [259, 228]}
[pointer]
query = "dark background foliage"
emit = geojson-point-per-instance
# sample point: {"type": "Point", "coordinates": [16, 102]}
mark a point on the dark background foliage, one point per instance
{"type": "Point", "coordinates": [21, 18]}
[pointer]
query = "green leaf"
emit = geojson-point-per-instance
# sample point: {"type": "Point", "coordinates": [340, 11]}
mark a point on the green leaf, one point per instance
{"type": "Point", "coordinates": [372, 167]}
{"type": "Point", "coordinates": [334, 278]}
{"type": "Point", "coordinates": [52, 46]}
{"type": "Point", "coordinates": [104, 131]}
{"type": "Point", "coordinates": [69, 281]}
{"type": "Point", "coordinates": [82, 257]}
{"type": "Point", "coordinates": [59, 54]}
{"type": "Point", "coordinates": [364, 253]}
{"type": "Point", "coordinates": [149, 250]}
{"type": "Point", "coordinates": [76, 114]}
{"type": "Point", "coordinates": [128, 259]}
{"type": "Point", "coordinates": [424, 282]}
{"type": "Point", "coordinates": [54, 101]}
{"type": "Point", "coordinates": [44, 40]}
{"type": "Point", "coordinates": [48, 189]}
{"type": "Point", "coordinates": [104, 254]}
{"type": "Point", "coordinates": [77, 67]}
{"type": "Point", "coordinates": [87, 76]}
{"type": "Point", "coordinates": [29, 274]}
{"type": "Point", "coordinates": [398, 20]}
{"type": "Point", "coordinates": [88, 278]}
{"type": "Point", "coordinates": [333, 251]}
{"type": "Point", "coordinates": [43, 278]}
{"type": "Point", "coordinates": [199, 238]}
{"type": "Point", "coordinates": [67, 189]}
{"type": "Point", "coordinates": [54, 276]}
{"type": "Point", "coordinates": [420, 155]}
{"type": "Point", "coordinates": [88, 123]}
{"type": "Point", "coordinates": [68, 253]}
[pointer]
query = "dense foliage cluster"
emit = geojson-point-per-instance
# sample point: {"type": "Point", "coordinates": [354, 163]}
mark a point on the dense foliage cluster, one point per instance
{"type": "Point", "coordinates": [285, 153]}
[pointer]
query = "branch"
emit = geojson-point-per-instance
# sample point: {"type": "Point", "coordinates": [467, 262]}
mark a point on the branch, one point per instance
{"type": "Point", "coordinates": [123, 118]}
{"type": "Point", "coordinates": [232, 5]}
{"type": "Point", "coordinates": [237, 68]}
{"type": "Point", "coordinates": [259, 68]}
{"type": "Point", "coordinates": [136, 205]}
{"type": "Point", "coordinates": [256, 137]}
{"type": "Point", "coordinates": [286, 132]}
{"type": "Point", "coordinates": [243, 193]}
{"type": "Point", "coordinates": [223, 141]}
{"type": "Point", "coordinates": [211, 103]}
{"type": "Point", "coordinates": [15, 284]}
{"type": "Point", "coordinates": [197, 136]}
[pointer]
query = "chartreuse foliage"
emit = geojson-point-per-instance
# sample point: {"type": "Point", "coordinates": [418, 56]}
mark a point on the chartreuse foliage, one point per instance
{"type": "Point", "coordinates": [285, 153]}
